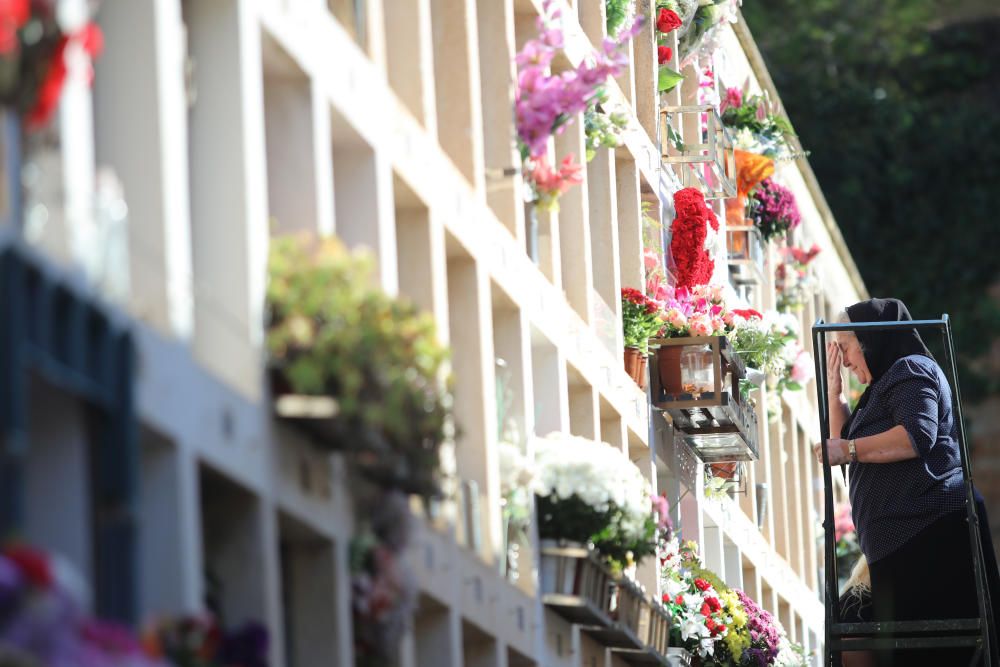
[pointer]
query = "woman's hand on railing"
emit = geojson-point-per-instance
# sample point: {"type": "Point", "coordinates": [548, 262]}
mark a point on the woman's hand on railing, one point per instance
{"type": "Point", "coordinates": [837, 449]}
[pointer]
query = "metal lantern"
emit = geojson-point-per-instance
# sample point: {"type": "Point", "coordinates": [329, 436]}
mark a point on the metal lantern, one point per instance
{"type": "Point", "coordinates": [745, 250]}
{"type": "Point", "coordinates": [694, 138]}
{"type": "Point", "coordinates": [695, 381]}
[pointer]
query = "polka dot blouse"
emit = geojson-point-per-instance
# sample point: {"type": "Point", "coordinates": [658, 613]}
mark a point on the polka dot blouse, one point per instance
{"type": "Point", "coordinates": [892, 502]}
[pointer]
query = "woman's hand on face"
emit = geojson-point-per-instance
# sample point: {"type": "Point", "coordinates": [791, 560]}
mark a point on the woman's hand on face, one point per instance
{"type": "Point", "coordinates": [837, 451]}
{"type": "Point", "coordinates": [834, 362]}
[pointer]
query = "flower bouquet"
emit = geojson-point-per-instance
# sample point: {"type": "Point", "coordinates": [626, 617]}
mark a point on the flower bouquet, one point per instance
{"type": "Point", "coordinates": [201, 641]}
{"type": "Point", "coordinates": [760, 127]}
{"type": "Point", "coordinates": [546, 102]}
{"type": "Point", "coordinates": [793, 280]}
{"type": "Point", "coordinates": [700, 621]}
{"type": "Point", "coordinates": [34, 40]}
{"type": "Point", "coordinates": [708, 18]}
{"type": "Point", "coordinates": [693, 238]}
{"type": "Point", "coordinates": [773, 209]}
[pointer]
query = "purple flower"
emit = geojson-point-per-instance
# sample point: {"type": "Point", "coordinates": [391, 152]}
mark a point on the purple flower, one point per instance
{"type": "Point", "coordinates": [773, 209]}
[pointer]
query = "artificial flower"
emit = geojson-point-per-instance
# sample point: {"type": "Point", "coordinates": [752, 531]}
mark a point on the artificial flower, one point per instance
{"type": "Point", "coordinates": [664, 54]}
{"type": "Point", "coordinates": [667, 20]}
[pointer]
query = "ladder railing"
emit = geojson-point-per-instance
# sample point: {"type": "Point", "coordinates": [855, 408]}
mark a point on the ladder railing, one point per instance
{"type": "Point", "coordinates": [966, 632]}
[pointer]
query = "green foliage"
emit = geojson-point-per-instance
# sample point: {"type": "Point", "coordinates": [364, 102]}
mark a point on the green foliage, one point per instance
{"type": "Point", "coordinates": [617, 11]}
{"type": "Point", "coordinates": [332, 333]}
{"type": "Point", "coordinates": [602, 129]}
{"type": "Point", "coordinates": [898, 104]}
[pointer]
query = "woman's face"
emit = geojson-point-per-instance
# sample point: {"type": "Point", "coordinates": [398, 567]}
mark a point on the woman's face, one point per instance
{"type": "Point", "coordinates": [854, 358]}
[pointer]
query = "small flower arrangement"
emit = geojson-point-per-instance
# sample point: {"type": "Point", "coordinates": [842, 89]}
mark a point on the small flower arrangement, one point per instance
{"type": "Point", "coordinates": [794, 282]}
{"type": "Point", "coordinates": [700, 311]}
{"type": "Point", "coordinates": [640, 318]}
{"type": "Point", "coordinates": [34, 40]}
{"type": "Point", "coordinates": [759, 124]}
{"type": "Point", "coordinates": [700, 621]}
{"type": "Point", "coordinates": [798, 367]}
{"type": "Point", "coordinates": [773, 209]}
{"type": "Point", "coordinates": [587, 491]}
{"type": "Point", "coordinates": [545, 103]}
{"type": "Point", "coordinates": [694, 237]}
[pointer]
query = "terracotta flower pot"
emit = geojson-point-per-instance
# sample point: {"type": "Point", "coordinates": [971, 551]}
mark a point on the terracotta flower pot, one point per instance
{"type": "Point", "coordinates": [668, 361]}
{"type": "Point", "coordinates": [724, 470]}
{"type": "Point", "coordinates": [635, 365]}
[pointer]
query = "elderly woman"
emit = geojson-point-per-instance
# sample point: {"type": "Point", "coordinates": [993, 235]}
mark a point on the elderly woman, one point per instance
{"type": "Point", "coordinates": [906, 485]}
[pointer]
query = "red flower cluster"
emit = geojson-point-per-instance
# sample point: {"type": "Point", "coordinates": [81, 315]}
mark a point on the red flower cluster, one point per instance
{"type": "Point", "coordinates": [693, 264]}
{"type": "Point", "coordinates": [668, 20]}
{"type": "Point", "coordinates": [13, 15]}
{"type": "Point", "coordinates": [702, 585]}
{"type": "Point", "coordinates": [92, 41]}
{"type": "Point", "coordinates": [638, 298]}
{"type": "Point", "coordinates": [664, 54]}
{"type": "Point", "coordinates": [748, 313]}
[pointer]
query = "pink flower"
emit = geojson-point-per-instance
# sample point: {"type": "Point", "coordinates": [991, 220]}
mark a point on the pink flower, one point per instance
{"type": "Point", "coordinates": [802, 370]}
{"type": "Point", "coordinates": [701, 325]}
{"type": "Point", "coordinates": [650, 258]}
{"type": "Point", "coordinates": [761, 111]}
{"type": "Point", "coordinates": [675, 318]}
{"type": "Point", "coordinates": [843, 523]}
{"type": "Point", "coordinates": [732, 100]}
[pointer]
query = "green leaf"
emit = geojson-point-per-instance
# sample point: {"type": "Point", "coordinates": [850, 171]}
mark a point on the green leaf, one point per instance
{"type": "Point", "coordinates": [668, 79]}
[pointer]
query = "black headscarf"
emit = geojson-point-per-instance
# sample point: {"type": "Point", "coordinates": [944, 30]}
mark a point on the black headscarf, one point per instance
{"type": "Point", "coordinates": [883, 348]}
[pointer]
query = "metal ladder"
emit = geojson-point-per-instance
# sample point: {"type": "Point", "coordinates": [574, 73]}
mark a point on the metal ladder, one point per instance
{"type": "Point", "coordinates": [913, 635]}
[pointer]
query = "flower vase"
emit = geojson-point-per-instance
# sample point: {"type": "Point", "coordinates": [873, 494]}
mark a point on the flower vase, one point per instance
{"type": "Point", "coordinates": [668, 363]}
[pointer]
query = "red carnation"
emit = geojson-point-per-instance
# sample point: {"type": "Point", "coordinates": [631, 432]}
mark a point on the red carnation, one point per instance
{"type": "Point", "coordinates": [679, 599]}
{"type": "Point", "coordinates": [702, 585]}
{"type": "Point", "coordinates": [664, 54]}
{"type": "Point", "coordinates": [706, 612]}
{"type": "Point", "coordinates": [748, 313]}
{"type": "Point", "coordinates": [668, 20]}
{"type": "Point", "coordinates": [666, 598]}
{"type": "Point", "coordinates": [713, 603]}
{"type": "Point", "coordinates": [693, 265]}
{"type": "Point", "coordinates": [34, 565]}
{"type": "Point", "coordinates": [720, 628]}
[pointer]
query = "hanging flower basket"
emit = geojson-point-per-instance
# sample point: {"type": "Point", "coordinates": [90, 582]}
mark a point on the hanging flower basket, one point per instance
{"type": "Point", "coordinates": [697, 383]}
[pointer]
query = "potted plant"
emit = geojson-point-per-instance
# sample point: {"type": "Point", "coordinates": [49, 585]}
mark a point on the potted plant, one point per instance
{"type": "Point", "coordinates": [375, 358]}
{"type": "Point", "coordinates": [588, 494]}
{"type": "Point", "coordinates": [641, 319]}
